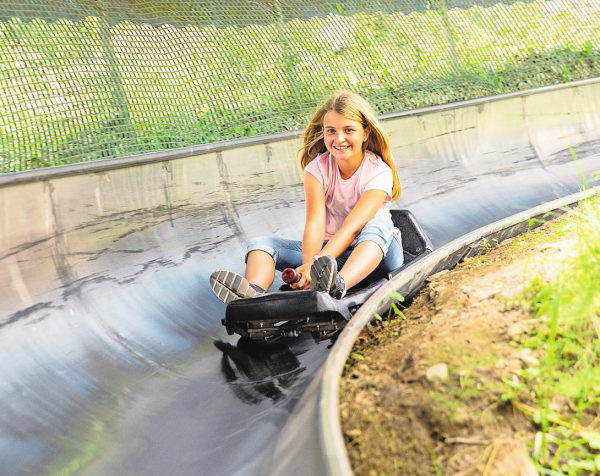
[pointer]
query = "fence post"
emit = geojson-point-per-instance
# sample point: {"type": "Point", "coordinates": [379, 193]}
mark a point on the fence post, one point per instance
{"type": "Point", "coordinates": [441, 7]}
{"type": "Point", "coordinates": [288, 64]}
{"type": "Point", "coordinates": [121, 124]}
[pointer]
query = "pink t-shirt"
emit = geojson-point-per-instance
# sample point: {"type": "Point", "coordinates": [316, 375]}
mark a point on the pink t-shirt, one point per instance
{"type": "Point", "coordinates": [341, 195]}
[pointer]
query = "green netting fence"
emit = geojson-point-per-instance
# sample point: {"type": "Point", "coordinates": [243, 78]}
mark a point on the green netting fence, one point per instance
{"type": "Point", "coordinates": [83, 80]}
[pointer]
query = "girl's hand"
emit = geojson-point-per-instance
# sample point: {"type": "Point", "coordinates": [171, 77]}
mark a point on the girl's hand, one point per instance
{"type": "Point", "coordinates": [304, 282]}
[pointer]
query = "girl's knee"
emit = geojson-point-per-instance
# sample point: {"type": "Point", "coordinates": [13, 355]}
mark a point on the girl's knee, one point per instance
{"type": "Point", "coordinates": [378, 231]}
{"type": "Point", "coordinates": [261, 243]}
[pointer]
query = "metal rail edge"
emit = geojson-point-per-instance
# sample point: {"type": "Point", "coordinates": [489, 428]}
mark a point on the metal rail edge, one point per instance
{"type": "Point", "coordinates": [408, 283]}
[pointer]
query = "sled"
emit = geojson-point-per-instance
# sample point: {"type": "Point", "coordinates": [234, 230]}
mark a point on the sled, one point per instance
{"type": "Point", "coordinates": [288, 313]}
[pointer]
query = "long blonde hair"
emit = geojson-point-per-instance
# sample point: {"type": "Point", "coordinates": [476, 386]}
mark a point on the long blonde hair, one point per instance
{"type": "Point", "coordinates": [355, 108]}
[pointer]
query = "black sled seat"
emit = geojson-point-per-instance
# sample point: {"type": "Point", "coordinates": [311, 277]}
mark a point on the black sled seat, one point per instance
{"type": "Point", "coordinates": [288, 313]}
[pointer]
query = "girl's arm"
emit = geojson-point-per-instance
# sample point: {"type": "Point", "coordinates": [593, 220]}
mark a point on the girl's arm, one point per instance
{"type": "Point", "coordinates": [314, 229]}
{"type": "Point", "coordinates": [364, 210]}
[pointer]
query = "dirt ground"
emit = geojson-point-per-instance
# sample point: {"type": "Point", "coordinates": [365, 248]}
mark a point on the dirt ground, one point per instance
{"type": "Point", "coordinates": [422, 396]}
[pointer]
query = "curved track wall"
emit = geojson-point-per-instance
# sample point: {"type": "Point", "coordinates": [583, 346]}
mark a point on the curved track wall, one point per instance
{"type": "Point", "coordinates": [112, 356]}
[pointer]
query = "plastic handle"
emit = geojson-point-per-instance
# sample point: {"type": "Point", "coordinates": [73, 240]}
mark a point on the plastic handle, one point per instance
{"type": "Point", "coordinates": [289, 276]}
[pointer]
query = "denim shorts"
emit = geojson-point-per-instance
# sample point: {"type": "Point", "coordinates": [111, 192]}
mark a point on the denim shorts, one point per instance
{"type": "Point", "coordinates": [288, 253]}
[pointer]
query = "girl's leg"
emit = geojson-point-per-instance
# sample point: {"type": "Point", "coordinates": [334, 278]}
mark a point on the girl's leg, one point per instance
{"type": "Point", "coordinates": [266, 254]}
{"type": "Point", "coordinates": [364, 259]}
{"type": "Point", "coordinates": [377, 245]}
{"type": "Point", "coordinates": [260, 269]}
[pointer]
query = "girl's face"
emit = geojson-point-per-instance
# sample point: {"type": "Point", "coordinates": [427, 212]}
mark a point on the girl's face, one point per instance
{"type": "Point", "coordinates": [343, 137]}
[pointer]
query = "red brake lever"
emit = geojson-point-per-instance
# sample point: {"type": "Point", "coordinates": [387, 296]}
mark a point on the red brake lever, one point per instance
{"type": "Point", "coordinates": [289, 276]}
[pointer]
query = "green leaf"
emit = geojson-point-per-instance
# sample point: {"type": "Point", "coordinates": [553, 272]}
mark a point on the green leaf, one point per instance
{"type": "Point", "coordinates": [358, 356]}
{"type": "Point", "coordinates": [508, 396]}
{"type": "Point", "coordinates": [586, 464]}
{"type": "Point", "coordinates": [531, 372]}
{"type": "Point", "coordinates": [539, 416]}
{"type": "Point", "coordinates": [515, 385]}
{"type": "Point", "coordinates": [396, 296]}
{"type": "Point", "coordinates": [593, 439]}
{"type": "Point", "coordinates": [338, 6]}
{"type": "Point", "coordinates": [397, 311]}
{"type": "Point", "coordinates": [565, 431]}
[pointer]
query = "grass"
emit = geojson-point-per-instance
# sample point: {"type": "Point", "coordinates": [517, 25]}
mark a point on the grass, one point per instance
{"type": "Point", "coordinates": [77, 91]}
{"type": "Point", "coordinates": [562, 394]}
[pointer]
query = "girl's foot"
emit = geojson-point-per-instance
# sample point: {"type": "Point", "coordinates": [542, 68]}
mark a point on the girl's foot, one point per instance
{"type": "Point", "coordinates": [324, 277]}
{"type": "Point", "coordinates": [229, 286]}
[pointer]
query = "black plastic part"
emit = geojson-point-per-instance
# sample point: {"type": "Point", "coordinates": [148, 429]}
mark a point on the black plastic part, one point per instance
{"type": "Point", "coordinates": [415, 243]}
{"type": "Point", "coordinates": [288, 313]}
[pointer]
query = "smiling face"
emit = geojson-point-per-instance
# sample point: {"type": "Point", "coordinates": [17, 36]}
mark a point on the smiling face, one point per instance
{"type": "Point", "coordinates": [344, 138]}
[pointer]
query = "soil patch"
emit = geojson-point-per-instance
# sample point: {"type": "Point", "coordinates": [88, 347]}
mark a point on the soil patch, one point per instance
{"type": "Point", "coordinates": [423, 395]}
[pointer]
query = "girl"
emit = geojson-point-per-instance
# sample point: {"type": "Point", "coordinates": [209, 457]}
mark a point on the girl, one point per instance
{"type": "Point", "coordinates": [350, 181]}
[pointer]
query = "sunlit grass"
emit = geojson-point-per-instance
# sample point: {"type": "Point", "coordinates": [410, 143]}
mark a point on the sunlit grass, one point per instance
{"type": "Point", "coordinates": [76, 91]}
{"type": "Point", "coordinates": [562, 394]}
